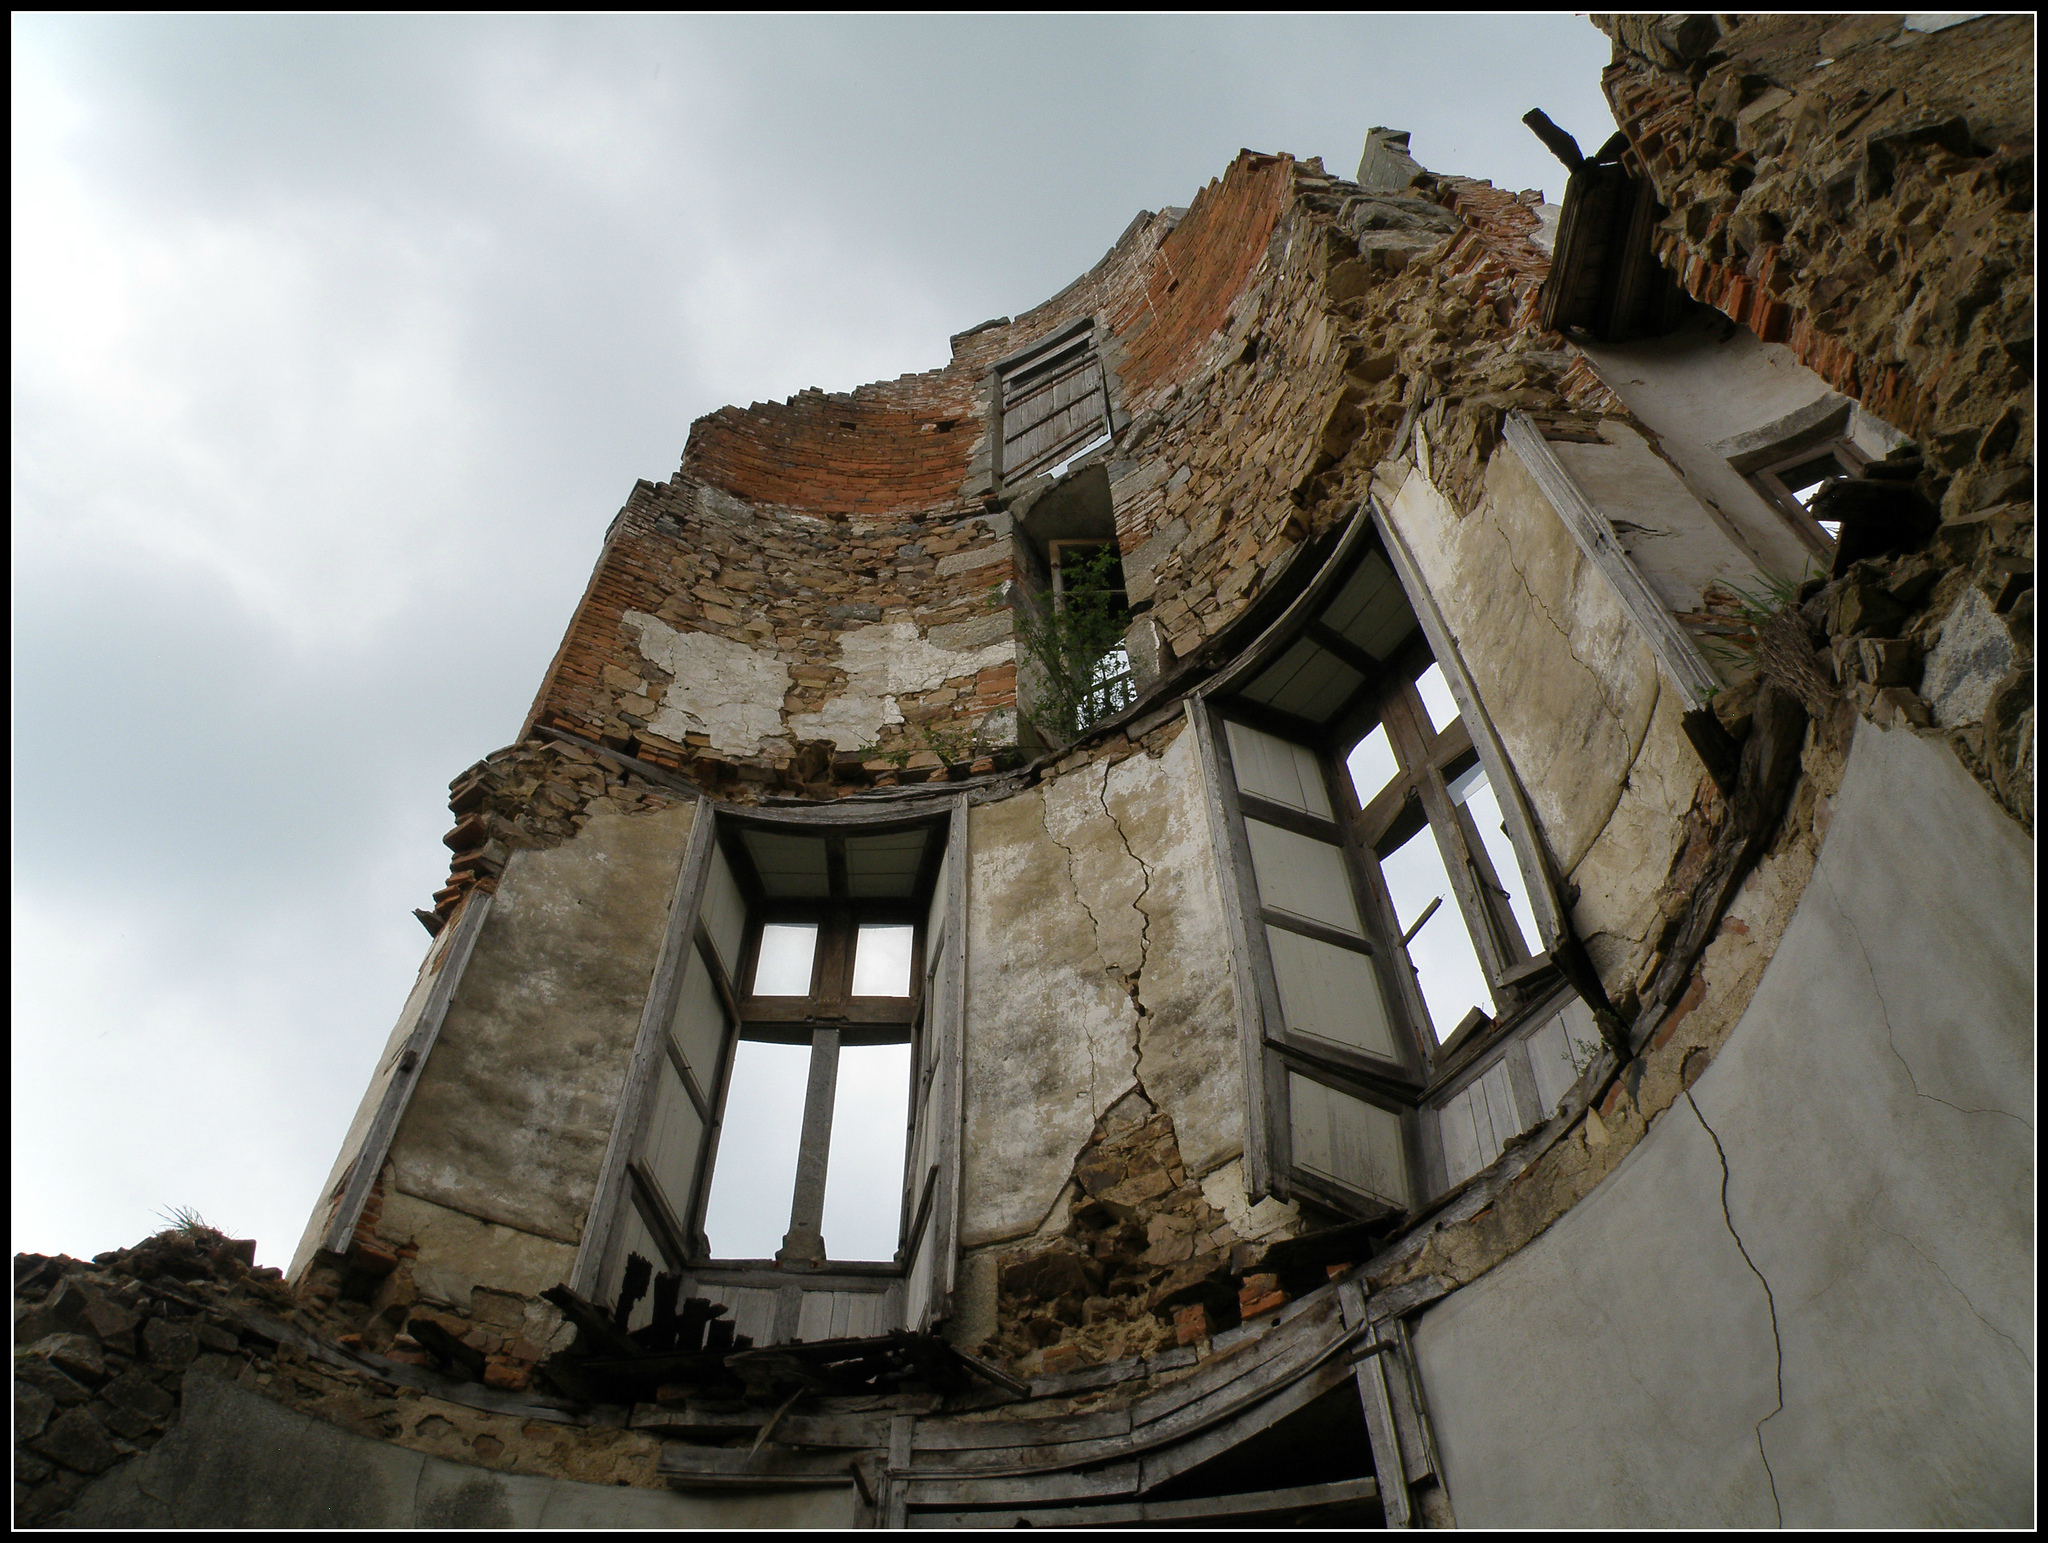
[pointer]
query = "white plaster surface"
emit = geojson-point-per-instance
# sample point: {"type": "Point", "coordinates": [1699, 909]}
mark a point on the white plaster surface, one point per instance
{"type": "Point", "coordinates": [884, 662]}
{"type": "Point", "coordinates": [1671, 537]}
{"type": "Point", "coordinates": [515, 1105]}
{"type": "Point", "coordinates": [1571, 686]}
{"type": "Point", "coordinates": [1086, 887]}
{"type": "Point", "coordinates": [724, 689]}
{"type": "Point", "coordinates": [1707, 382]}
{"type": "Point", "coordinates": [1872, 1112]}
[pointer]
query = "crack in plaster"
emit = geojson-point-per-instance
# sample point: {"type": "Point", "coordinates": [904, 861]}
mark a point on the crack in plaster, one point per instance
{"type": "Point", "coordinates": [1135, 983]}
{"type": "Point", "coordinates": [1935, 1265]}
{"type": "Point", "coordinates": [1544, 610]}
{"type": "Point", "coordinates": [1094, 922]}
{"type": "Point", "coordinates": [1884, 1009]}
{"type": "Point", "coordinates": [1770, 1301]}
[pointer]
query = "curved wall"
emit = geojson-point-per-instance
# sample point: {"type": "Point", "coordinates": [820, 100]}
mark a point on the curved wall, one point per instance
{"type": "Point", "coordinates": [1806, 1297]}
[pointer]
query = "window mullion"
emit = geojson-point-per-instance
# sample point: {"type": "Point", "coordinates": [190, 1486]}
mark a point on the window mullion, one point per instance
{"type": "Point", "coordinates": [805, 1241]}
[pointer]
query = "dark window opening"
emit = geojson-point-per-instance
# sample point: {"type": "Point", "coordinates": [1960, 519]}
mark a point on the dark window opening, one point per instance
{"type": "Point", "coordinates": [1791, 483]}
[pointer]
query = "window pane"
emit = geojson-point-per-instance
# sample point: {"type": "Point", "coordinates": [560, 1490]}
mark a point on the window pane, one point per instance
{"type": "Point", "coordinates": [784, 968]}
{"type": "Point", "coordinates": [1445, 963]}
{"type": "Point", "coordinates": [1372, 765]}
{"type": "Point", "coordinates": [1436, 698]}
{"type": "Point", "coordinates": [881, 962]}
{"type": "Point", "coordinates": [1473, 791]}
{"type": "Point", "coordinates": [753, 1178]}
{"type": "Point", "coordinates": [864, 1174]}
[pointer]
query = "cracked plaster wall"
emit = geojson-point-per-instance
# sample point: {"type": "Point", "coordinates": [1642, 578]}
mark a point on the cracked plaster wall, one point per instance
{"type": "Point", "coordinates": [1806, 1295]}
{"type": "Point", "coordinates": [1575, 693]}
{"type": "Point", "coordinates": [1097, 964]}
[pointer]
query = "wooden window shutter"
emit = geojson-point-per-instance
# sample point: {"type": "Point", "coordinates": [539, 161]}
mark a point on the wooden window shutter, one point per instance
{"type": "Point", "coordinates": [932, 1176]}
{"type": "Point", "coordinates": [1324, 1027]}
{"type": "Point", "coordinates": [650, 1194]}
{"type": "Point", "coordinates": [1053, 400]}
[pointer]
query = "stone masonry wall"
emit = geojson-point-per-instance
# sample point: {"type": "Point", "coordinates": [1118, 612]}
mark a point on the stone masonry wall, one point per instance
{"type": "Point", "coordinates": [1862, 191]}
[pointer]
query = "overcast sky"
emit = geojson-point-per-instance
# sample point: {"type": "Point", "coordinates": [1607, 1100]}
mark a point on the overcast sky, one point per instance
{"type": "Point", "coordinates": [337, 344]}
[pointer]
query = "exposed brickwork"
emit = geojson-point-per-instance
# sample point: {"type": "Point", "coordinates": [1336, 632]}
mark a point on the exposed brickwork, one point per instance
{"type": "Point", "coordinates": [106, 1349]}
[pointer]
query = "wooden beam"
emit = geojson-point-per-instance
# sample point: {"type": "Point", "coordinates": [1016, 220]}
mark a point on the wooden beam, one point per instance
{"type": "Point", "coordinates": [1672, 646]}
{"type": "Point", "coordinates": [412, 1065]}
{"type": "Point", "coordinates": [1259, 1503]}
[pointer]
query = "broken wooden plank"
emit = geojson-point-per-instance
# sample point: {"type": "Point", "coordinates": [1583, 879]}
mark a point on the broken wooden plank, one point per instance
{"type": "Point", "coordinates": [1308, 1497]}
{"type": "Point", "coordinates": [1115, 1479]}
{"type": "Point", "coordinates": [1174, 1460]}
{"type": "Point", "coordinates": [795, 1430]}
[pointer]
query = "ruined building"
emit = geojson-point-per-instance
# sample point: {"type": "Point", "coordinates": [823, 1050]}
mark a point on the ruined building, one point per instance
{"type": "Point", "coordinates": [1393, 838]}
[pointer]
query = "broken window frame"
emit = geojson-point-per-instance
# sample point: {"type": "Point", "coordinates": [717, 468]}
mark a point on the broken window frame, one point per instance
{"type": "Point", "coordinates": [1769, 480]}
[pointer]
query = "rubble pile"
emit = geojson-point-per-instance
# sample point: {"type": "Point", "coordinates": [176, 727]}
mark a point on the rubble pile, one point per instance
{"type": "Point", "coordinates": [102, 1349]}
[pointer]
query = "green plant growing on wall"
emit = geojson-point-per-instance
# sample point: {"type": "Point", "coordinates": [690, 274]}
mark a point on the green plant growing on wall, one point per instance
{"type": "Point", "coordinates": [1070, 643]}
{"type": "Point", "coordinates": [1743, 611]}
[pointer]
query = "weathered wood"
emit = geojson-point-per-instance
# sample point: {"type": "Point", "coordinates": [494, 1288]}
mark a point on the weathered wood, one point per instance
{"type": "Point", "coordinates": [1112, 1372]}
{"type": "Point", "coordinates": [1314, 1339]}
{"type": "Point", "coordinates": [1251, 972]}
{"type": "Point", "coordinates": [1379, 1417]}
{"type": "Point", "coordinates": [1217, 1439]}
{"type": "Point", "coordinates": [1785, 657]}
{"type": "Point", "coordinates": [940, 1435]}
{"type": "Point", "coordinates": [1112, 1479]}
{"type": "Point", "coordinates": [1310, 1497]}
{"type": "Point", "coordinates": [635, 1102]}
{"type": "Point", "coordinates": [1769, 769]}
{"type": "Point", "coordinates": [412, 1065]}
{"type": "Point", "coordinates": [804, 1243]}
{"type": "Point", "coordinates": [592, 1320]}
{"type": "Point", "coordinates": [852, 1432]}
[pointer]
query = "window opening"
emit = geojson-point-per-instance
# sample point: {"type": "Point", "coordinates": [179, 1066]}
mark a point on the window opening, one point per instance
{"type": "Point", "coordinates": [813, 1136]}
{"type": "Point", "coordinates": [1437, 702]}
{"type": "Point", "coordinates": [881, 960]}
{"type": "Point", "coordinates": [1447, 966]}
{"type": "Point", "coordinates": [1471, 790]}
{"type": "Point", "coordinates": [863, 1184]}
{"type": "Point", "coordinates": [750, 1191]}
{"type": "Point", "coordinates": [1077, 641]}
{"type": "Point", "coordinates": [788, 953]}
{"type": "Point", "coordinates": [1791, 483]}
